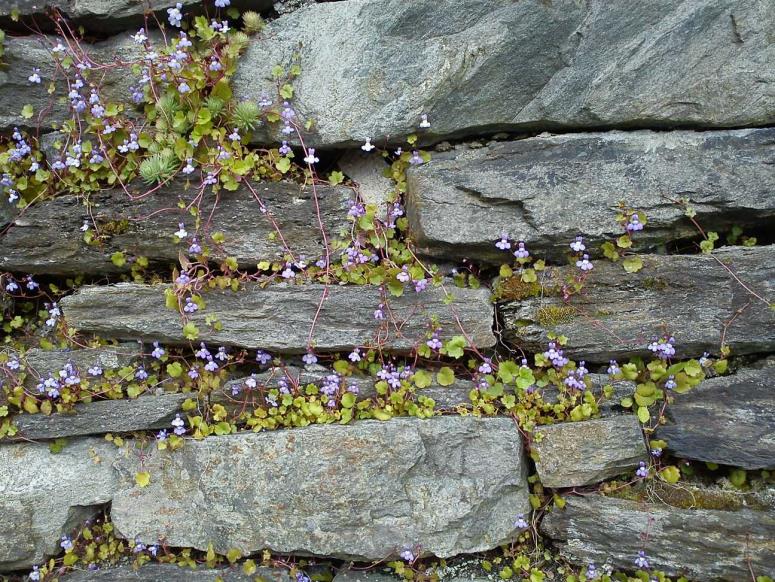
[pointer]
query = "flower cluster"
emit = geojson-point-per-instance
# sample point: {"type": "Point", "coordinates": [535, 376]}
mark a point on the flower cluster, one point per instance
{"type": "Point", "coordinates": [663, 348]}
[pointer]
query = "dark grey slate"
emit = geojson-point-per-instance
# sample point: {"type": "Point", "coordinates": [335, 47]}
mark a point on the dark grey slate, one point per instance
{"type": "Point", "coordinates": [278, 317]}
{"type": "Point", "coordinates": [32, 246]}
{"type": "Point", "coordinates": [692, 297]}
{"type": "Point", "coordinates": [703, 544]}
{"type": "Point", "coordinates": [547, 189]}
{"type": "Point", "coordinates": [729, 420]}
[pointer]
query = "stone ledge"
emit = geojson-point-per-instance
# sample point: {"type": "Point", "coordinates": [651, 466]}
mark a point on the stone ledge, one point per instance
{"type": "Point", "coordinates": [278, 318]}
{"type": "Point", "coordinates": [703, 544]}
{"type": "Point", "coordinates": [449, 484]}
{"type": "Point", "coordinates": [140, 229]}
{"type": "Point", "coordinates": [689, 297]}
{"type": "Point", "coordinates": [545, 190]}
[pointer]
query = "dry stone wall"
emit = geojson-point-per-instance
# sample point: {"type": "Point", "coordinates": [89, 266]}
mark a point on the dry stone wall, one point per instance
{"type": "Point", "coordinates": [380, 290]}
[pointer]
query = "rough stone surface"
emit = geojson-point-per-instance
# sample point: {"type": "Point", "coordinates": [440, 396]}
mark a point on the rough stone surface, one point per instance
{"type": "Point", "coordinates": [40, 363]}
{"type": "Point", "coordinates": [547, 189]}
{"type": "Point", "coordinates": [43, 495]}
{"type": "Point", "coordinates": [172, 573]}
{"type": "Point", "coordinates": [104, 15]}
{"type": "Point", "coordinates": [450, 485]}
{"type": "Point", "coordinates": [352, 575]}
{"type": "Point", "coordinates": [367, 171]}
{"type": "Point", "coordinates": [31, 245]}
{"type": "Point", "coordinates": [24, 53]}
{"type": "Point", "coordinates": [278, 318]}
{"type": "Point", "coordinates": [729, 420]}
{"type": "Point", "coordinates": [706, 545]}
{"type": "Point", "coordinates": [370, 68]}
{"type": "Point", "coordinates": [694, 298]}
{"type": "Point", "coordinates": [573, 454]}
{"type": "Point", "coordinates": [143, 413]}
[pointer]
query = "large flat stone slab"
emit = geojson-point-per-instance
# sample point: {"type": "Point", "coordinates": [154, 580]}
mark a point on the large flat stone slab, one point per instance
{"type": "Point", "coordinates": [729, 420]}
{"type": "Point", "coordinates": [483, 66]}
{"type": "Point", "coordinates": [694, 298]}
{"type": "Point", "coordinates": [450, 485]}
{"type": "Point", "coordinates": [40, 363]}
{"type": "Point", "coordinates": [143, 228]}
{"type": "Point", "coordinates": [278, 318]}
{"type": "Point", "coordinates": [44, 495]}
{"type": "Point", "coordinates": [105, 15]}
{"type": "Point", "coordinates": [547, 189]}
{"type": "Point", "coordinates": [154, 572]}
{"type": "Point", "coordinates": [22, 54]}
{"type": "Point", "coordinates": [573, 454]}
{"type": "Point", "coordinates": [702, 544]}
{"type": "Point", "coordinates": [104, 416]}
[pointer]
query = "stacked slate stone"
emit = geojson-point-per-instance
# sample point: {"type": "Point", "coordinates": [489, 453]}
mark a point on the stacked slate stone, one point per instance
{"type": "Point", "coordinates": [646, 102]}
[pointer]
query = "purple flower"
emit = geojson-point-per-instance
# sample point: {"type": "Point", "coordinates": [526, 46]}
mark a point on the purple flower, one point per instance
{"type": "Point", "coordinates": [211, 365]}
{"type": "Point", "coordinates": [34, 576]}
{"type": "Point", "coordinates": [663, 348]}
{"type": "Point", "coordinates": [174, 15]}
{"type": "Point", "coordinates": [520, 523]}
{"type": "Point", "coordinates": [141, 374]}
{"type": "Point", "coordinates": [486, 367]}
{"type": "Point", "coordinates": [161, 435]}
{"type": "Point", "coordinates": [13, 364]}
{"type": "Point", "coordinates": [310, 358]}
{"type": "Point", "coordinates": [634, 224]}
{"type": "Point", "coordinates": [503, 244]}
{"type": "Point", "coordinates": [578, 244]}
{"type": "Point", "coordinates": [310, 157]}
{"type": "Point", "coordinates": [263, 357]}
{"type": "Point", "coordinates": [424, 123]}
{"type": "Point", "coordinates": [179, 424]}
{"type": "Point", "coordinates": [584, 264]}
{"type": "Point", "coordinates": [158, 351]}
{"type": "Point", "coordinates": [35, 77]}
{"type": "Point", "coordinates": [189, 167]}
{"type": "Point", "coordinates": [415, 160]}
{"type": "Point", "coordinates": [284, 149]}
{"type": "Point", "coordinates": [613, 368]}
{"type": "Point", "coordinates": [642, 560]}
{"type": "Point", "coordinates": [555, 356]}
{"type": "Point", "coordinates": [203, 353]}
{"type": "Point", "coordinates": [420, 285]}
{"type": "Point", "coordinates": [222, 355]}
{"type": "Point", "coordinates": [642, 472]}
{"type": "Point", "coordinates": [656, 452]}
{"type": "Point", "coordinates": [670, 384]}
{"type": "Point", "coordinates": [355, 355]}
{"type": "Point", "coordinates": [183, 88]}
{"type": "Point", "coordinates": [434, 343]}
{"type": "Point", "coordinates": [190, 306]}
{"type": "Point", "coordinates": [591, 571]}
{"type": "Point", "coordinates": [407, 555]}
{"type": "Point", "coordinates": [379, 314]}
{"type": "Point", "coordinates": [66, 543]}
{"type": "Point", "coordinates": [521, 252]}
{"type": "Point", "coordinates": [403, 275]}
{"type": "Point", "coordinates": [222, 3]}
{"type": "Point", "coordinates": [194, 248]}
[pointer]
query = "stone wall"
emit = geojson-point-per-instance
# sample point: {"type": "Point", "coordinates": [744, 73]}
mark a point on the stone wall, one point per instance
{"type": "Point", "coordinates": [530, 336]}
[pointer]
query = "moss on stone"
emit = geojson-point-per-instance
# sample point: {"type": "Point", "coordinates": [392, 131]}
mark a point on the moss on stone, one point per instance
{"type": "Point", "coordinates": [553, 315]}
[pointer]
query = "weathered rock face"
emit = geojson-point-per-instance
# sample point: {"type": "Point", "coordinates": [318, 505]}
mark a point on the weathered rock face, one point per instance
{"type": "Point", "coordinates": [450, 485]}
{"type": "Point", "coordinates": [140, 229]}
{"type": "Point", "coordinates": [703, 544]}
{"type": "Point", "coordinates": [573, 454]}
{"type": "Point", "coordinates": [40, 363]}
{"type": "Point", "coordinates": [43, 496]}
{"type": "Point", "coordinates": [728, 420]}
{"type": "Point", "coordinates": [694, 298]}
{"type": "Point", "coordinates": [278, 318]}
{"type": "Point", "coordinates": [24, 53]}
{"type": "Point", "coordinates": [545, 190]}
{"type": "Point", "coordinates": [499, 65]}
{"type": "Point", "coordinates": [143, 413]}
{"type": "Point", "coordinates": [368, 172]}
{"type": "Point", "coordinates": [172, 573]}
{"type": "Point", "coordinates": [105, 15]}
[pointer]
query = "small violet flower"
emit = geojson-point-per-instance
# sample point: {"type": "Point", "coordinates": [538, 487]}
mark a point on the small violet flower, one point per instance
{"type": "Point", "coordinates": [367, 147]}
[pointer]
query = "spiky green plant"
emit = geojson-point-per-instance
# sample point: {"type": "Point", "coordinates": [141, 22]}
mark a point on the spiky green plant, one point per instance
{"type": "Point", "coordinates": [158, 167]}
{"type": "Point", "coordinates": [245, 115]}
